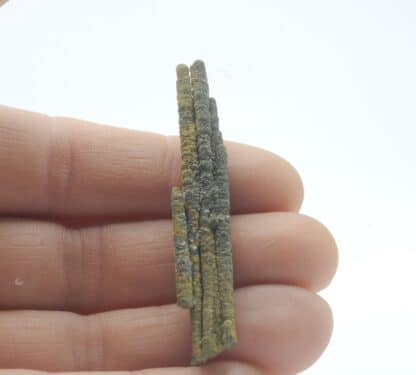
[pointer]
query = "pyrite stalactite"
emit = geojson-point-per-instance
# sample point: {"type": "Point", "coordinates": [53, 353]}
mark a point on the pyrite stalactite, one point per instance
{"type": "Point", "coordinates": [201, 217]}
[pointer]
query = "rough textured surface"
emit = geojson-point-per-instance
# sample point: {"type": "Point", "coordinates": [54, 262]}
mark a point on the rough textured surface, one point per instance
{"type": "Point", "coordinates": [201, 217]}
{"type": "Point", "coordinates": [220, 222]}
{"type": "Point", "coordinates": [190, 183]}
{"type": "Point", "coordinates": [182, 256]}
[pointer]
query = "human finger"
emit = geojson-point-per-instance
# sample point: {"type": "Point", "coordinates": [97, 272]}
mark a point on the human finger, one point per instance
{"type": "Point", "coordinates": [220, 367]}
{"type": "Point", "coordinates": [48, 266]}
{"type": "Point", "coordinates": [65, 167]}
{"type": "Point", "coordinates": [280, 329]}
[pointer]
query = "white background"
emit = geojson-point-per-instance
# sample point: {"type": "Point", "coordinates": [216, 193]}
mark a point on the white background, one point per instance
{"type": "Point", "coordinates": [329, 85]}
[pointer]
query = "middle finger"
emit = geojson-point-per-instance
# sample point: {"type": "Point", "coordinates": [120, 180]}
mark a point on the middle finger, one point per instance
{"type": "Point", "coordinates": [48, 266]}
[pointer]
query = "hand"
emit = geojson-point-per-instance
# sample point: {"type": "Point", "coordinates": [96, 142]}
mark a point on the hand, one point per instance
{"type": "Point", "coordinates": [87, 277]}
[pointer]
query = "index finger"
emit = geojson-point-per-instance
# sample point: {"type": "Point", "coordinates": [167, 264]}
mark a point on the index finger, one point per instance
{"type": "Point", "coordinates": [68, 167]}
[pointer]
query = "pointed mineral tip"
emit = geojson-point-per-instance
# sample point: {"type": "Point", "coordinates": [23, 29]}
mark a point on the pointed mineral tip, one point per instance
{"type": "Point", "coordinates": [198, 70]}
{"type": "Point", "coordinates": [182, 69]}
{"type": "Point", "coordinates": [199, 64]}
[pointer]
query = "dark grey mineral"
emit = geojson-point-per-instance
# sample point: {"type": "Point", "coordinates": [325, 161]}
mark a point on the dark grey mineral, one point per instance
{"type": "Point", "coordinates": [201, 217]}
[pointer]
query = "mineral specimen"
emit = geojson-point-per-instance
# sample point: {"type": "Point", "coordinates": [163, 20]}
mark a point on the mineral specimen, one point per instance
{"type": "Point", "coordinates": [201, 219]}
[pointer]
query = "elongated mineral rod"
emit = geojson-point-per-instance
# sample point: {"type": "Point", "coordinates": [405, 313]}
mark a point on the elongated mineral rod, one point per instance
{"type": "Point", "coordinates": [214, 223]}
{"type": "Point", "coordinates": [220, 214]}
{"type": "Point", "coordinates": [191, 187]}
{"type": "Point", "coordinates": [182, 257]}
{"type": "Point", "coordinates": [201, 219]}
{"type": "Point", "coordinates": [207, 241]}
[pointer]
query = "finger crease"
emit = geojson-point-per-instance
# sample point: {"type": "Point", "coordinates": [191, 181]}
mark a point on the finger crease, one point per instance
{"type": "Point", "coordinates": [59, 166]}
{"type": "Point", "coordinates": [171, 162]}
{"type": "Point", "coordinates": [91, 249]}
{"type": "Point", "coordinates": [94, 341]}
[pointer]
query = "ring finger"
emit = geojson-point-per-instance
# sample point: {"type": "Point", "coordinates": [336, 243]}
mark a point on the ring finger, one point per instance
{"type": "Point", "coordinates": [281, 329]}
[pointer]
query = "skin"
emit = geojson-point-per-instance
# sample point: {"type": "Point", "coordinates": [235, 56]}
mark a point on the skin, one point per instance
{"type": "Point", "coordinates": [87, 280]}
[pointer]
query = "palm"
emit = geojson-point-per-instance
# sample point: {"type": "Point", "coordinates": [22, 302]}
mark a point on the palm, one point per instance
{"type": "Point", "coordinates": [87, 270]}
